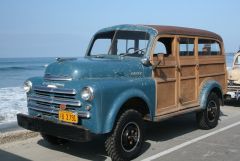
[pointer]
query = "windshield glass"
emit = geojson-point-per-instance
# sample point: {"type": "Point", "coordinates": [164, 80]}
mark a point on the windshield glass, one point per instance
{"type": "Point", "coordinates": [237, 60]}
{"type": "Point", "coordinates": [125, 43]}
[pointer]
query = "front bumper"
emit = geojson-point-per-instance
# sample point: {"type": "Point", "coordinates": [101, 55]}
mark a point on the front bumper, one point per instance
{"type": "Point", "coordinates": [232, 95]}
{"type": "Point", "coordinates": [58, 129]}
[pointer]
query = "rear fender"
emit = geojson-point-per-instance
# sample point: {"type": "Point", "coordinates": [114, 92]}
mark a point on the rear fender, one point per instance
{"type": "Point", "coordinates": [206, 88]}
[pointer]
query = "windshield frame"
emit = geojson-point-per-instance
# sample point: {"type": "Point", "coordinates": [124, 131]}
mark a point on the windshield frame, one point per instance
{"type": "Point", "coordinates": [148, 30]}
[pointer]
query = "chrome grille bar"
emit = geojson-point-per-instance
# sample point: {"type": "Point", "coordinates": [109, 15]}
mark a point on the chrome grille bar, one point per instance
{"type": "Point", "coordinates": [42, 108]}
{"type": "Point", "coordinates": [53, 100]}
{"type": "Point", "coordinates": [55, 90]}
{"type": "Point", "coordinates": [233, 88]}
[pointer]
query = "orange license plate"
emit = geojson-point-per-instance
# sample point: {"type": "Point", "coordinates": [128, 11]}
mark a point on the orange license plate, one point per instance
{"type": "Point", "coordinates": [67, 116]}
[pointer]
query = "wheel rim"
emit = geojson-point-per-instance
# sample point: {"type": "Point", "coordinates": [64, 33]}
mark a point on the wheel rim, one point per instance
{"type": "Point", "coordinates": [130, 136]}
{"type": "Point", "coordinates": [211, 111]}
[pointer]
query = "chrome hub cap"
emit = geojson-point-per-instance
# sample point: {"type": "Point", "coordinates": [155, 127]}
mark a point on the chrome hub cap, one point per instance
{"type": "Point", "coordinates": [130, 136]}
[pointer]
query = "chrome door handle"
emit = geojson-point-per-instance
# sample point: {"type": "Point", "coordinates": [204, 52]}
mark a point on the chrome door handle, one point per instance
{"type": "Point", "coordinates": [178, 68]}
{"type": "Point", "coordinates": [197, 66]}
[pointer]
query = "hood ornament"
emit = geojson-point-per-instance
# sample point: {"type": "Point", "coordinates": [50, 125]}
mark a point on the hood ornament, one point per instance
{"type": "Point", "coordinates": [65, 59]}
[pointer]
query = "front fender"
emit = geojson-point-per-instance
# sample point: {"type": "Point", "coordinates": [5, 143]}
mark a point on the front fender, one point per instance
{"type": "Point", "coordinates": [206, 88]}
{"type": "Point", "coordinates": [118, 104]}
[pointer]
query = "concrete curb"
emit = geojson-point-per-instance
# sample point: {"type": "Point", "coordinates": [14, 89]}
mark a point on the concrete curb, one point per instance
{"type": "Point", "coordinates": [12, 136]}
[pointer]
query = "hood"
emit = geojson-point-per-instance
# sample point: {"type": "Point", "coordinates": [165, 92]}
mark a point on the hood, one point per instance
{"type": "Point", "coordinates": [88, 68]}
{"type": "Point", "coordinates": [234, 75]}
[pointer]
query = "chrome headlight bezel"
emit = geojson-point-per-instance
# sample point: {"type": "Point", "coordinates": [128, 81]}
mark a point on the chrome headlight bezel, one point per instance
{"type": "Point", "coordinates": [87, 93]}
{"type": "Point", "coordinates": [27, 86]}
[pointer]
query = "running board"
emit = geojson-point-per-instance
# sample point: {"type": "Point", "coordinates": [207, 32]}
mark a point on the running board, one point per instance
{"type": "Point", "coordinates": [173, 114]}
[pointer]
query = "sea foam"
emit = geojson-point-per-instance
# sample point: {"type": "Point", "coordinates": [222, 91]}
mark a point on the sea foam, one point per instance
{"type": "Point", "coordinates": [13, 100]}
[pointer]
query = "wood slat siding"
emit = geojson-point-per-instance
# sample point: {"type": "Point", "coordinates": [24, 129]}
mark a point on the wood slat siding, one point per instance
{"type": "Point", "coordinates": [179, 78]}
{"type": "Point", "coordinates": [166, 82]}
{"type": "Point", "coordinates": [212, 67]}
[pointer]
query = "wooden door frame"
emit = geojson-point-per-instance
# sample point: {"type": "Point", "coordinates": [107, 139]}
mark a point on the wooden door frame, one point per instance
{"type": "Point", "coordinates": [194, 102]}
{"type": "Point", "coordinates": [174, 54]}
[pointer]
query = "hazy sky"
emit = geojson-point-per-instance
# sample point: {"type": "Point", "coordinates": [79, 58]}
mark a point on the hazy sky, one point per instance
{"type": "Point", "coordinates": [52, 28]}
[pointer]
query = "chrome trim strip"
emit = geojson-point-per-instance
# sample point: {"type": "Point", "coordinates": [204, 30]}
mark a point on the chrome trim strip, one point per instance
{"type": "Point", "coordinates": [53, 100]}
{"type": "Point", "coordinates": [61, 59]}
{"type": "Point", "coordinates": [57, 78]}
{"type": "Point", "coordinates": [55, 90]}
{"type": "Point", "coordinates": [42, 109]}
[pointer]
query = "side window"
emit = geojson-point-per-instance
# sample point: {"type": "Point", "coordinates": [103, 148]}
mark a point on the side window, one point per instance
{"type": "Point", "coordinates": [160, 48]}
{"type": "Point", "coordinates": [208, 47]}
{"type": "Point", "coordinates": [186, 46]}
{"type": "Point", "coordinates": [164, 46]}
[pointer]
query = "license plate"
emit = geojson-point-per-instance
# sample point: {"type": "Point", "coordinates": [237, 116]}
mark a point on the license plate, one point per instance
{"type": "Point", "coordinates": [67, 116]}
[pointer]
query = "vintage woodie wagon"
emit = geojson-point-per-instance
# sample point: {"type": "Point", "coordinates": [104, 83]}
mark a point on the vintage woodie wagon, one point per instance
{"type": "Point", "coordinates": [130, 73]}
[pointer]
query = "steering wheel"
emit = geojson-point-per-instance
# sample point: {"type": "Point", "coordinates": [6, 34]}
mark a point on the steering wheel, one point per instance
{"type": "Point", "coordinates": [136, 50]}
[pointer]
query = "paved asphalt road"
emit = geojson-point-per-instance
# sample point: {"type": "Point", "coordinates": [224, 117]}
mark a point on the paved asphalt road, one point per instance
{"type": "Point", "coordinates": [177, 139]}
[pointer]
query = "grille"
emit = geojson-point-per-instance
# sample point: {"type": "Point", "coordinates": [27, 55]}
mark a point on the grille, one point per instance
{"type": "Point", "coordinates": [233, 87]}
{"type": "Point", "coordinates": [47, 100]}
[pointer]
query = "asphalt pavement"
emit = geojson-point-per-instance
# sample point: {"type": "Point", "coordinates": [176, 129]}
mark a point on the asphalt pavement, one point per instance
{"type": "Point", "coordinates": [176, 139]}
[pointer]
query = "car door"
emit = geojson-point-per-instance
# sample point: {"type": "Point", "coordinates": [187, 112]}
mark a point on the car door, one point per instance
{"type": "Point", "coordinates": [187, 72]}
{"type": "Point", "coordinates": [164, 62]}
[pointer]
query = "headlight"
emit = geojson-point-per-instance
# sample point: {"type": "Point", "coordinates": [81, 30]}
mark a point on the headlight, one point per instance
{"type": "Point", "coordinates": [87, 93]}
{"type": "Point", "coordinates": [27, 86]}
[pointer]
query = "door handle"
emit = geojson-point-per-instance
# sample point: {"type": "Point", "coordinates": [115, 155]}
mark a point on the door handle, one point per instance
{"type": "Point", "coordinates": [178, 68]}
{"type": "Point", "coordinates": [197, 66]}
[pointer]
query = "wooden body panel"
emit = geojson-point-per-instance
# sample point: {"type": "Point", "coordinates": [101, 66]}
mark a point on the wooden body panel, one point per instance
{"type": "Point", "coordinates": [179, 79]}
{"type": "Point", "coordinates": [213, 67]}
{"type": "Point", "coordinates": [187, 81]}
{"type": "Point", "coordinates": [166, 87]}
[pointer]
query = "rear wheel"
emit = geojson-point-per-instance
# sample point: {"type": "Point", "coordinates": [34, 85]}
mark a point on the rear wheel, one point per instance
{"type": "Point", "coordinates": [125, 142]}
{"type": "Point", "coordinates": [53, 139]}
{"type": "Point", "coordinates": [208, 118]}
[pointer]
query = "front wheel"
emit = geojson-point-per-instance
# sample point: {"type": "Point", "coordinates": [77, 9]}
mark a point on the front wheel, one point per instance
{"type": "Point", "coordinates": [208, 118]}
{"type": "Point", "coordinates": [125, 142]}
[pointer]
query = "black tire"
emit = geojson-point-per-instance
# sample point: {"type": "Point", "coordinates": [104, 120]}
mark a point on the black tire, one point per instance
{"type": "Point", "coordinates": [208, 118]}
{"type": "Point", "coordinates": [125, 141]}
{"type": "Point", "coordinates": [53, 139]}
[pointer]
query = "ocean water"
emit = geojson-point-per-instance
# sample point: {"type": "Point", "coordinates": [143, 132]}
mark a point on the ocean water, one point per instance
{"type": "Point", "coordinates": [14, 71]}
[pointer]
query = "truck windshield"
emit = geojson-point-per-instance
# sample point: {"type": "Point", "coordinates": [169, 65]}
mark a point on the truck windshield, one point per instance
{"type": "Point", "coordinates": [237, 60]}
{"type": "Point", "coordinates": [123, 43]}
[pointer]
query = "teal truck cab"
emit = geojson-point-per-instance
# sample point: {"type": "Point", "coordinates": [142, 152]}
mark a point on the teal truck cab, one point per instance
{"type": "Point", "coordinates": [130, 74]}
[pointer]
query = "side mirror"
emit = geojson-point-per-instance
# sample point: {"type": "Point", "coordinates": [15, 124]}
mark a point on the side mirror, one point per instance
{"type": "Point", "coordinates": [146, 62]}
{"type": "Point", "coordinates": [159, 59]}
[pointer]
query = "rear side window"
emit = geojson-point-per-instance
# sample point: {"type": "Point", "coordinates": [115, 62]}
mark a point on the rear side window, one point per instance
{"type": "Point", "coordinates": [208, 47]}
{"type": "Point", "coordinates": [186, 47]}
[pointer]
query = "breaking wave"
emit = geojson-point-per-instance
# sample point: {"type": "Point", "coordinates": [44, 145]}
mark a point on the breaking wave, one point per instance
{"type": "Point", "coordinates": [12, 101]}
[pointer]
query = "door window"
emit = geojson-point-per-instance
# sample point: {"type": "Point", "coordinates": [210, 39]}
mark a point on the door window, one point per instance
{"type": "Point", "coordinates": [164, 46]}
{"type": "Point", "coordinates": [186, 47]}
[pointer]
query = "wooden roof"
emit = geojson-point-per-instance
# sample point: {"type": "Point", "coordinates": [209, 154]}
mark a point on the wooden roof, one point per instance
{"type": "Point", "coordinates": [173, 30]}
